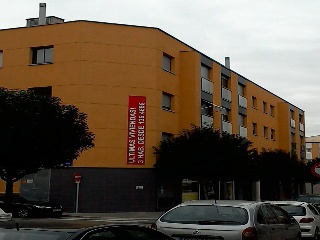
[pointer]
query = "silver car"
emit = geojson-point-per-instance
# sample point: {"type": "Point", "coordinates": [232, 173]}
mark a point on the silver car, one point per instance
{"type": "Point", "coordinates": [306, 215]}
{"type": "Point", "coordinates": [228, 220]}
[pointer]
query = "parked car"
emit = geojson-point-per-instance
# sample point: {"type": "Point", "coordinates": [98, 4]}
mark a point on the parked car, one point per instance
{"type": "Point", "coordinates": [108, 232]}
{"type": "Point", "coordinates": [228, 220]}
{"type": "Point", "coordinates": [306, 215]}
{"type": "Point", "coordinates": [23, 207]}
{"type": "Point", "coordinates": [309, 198]}
{"type": "Point", "coordinates": [5, 216]}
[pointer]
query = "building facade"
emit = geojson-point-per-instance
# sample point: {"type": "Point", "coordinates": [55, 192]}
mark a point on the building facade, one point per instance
{"type": "Point", "coordinates": [312, 147]}
{"type": "Point", "coordinates": [138, 85]}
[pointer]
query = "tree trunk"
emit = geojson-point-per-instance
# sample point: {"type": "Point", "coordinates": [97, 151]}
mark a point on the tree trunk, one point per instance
{"type": "Point", "coordinates": [9, 195]}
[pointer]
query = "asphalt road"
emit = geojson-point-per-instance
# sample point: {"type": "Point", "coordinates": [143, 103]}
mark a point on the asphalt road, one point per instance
{"type": "Point", "coordinates": [80, 221]}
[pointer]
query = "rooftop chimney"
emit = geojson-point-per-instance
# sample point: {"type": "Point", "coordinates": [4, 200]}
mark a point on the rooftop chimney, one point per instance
{"type": "Point", "coordinates": [42, 14]}
{"type": "Point", "coordinates": [227, 62]}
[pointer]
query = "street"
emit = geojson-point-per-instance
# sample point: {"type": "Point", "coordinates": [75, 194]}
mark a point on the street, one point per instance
{"type": "Point", "coordinates": [83, 220]}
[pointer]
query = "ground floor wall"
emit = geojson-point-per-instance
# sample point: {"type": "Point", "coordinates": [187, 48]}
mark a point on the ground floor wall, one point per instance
{"type": "Point", "coordinates": [136, 189]}
{"type": "Point", "coordinates": [100, 189]}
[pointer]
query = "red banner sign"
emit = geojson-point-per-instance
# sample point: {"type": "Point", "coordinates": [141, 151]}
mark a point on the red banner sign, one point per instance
{"type": "Point", "coordinates": [136, 130]}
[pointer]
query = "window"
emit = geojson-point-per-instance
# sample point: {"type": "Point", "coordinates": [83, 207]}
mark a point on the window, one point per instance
{"type": "Point", "coordinates": [271, 110]}
{"type": "Point", "coordinates": [254, 129]}
{"type": "Point", "coordinates": [43, 91]}
{"type": "Point", "coordinates": [241, 120]}
{"type": "Point", "coordinates": [206, 108]}
{"type": "Point", "coordinates": [282, 216]}
{"type": "Point", "coordinates": [226, 116]}
{"type": "Point", "coordinates": [167, 63]}
{"type": "Point", "coordinates": [301, 118]}
{"type": "Point", "coordinates": [240, 89]}
{"type": "Point", "coordinates": [273, 134]}
{"type": "Point", "coordinates": [264, 107]}
{"type": "Point", "coordinates": [165, 136]}
{"type": "Point", "coordinates": [292, 114]}
{"type": "Point", "coordinates": [265, 132]}
{"type": "Point", "coordinates": [224, 81]}
{"type": "Point", "coordinates": [205, 72]}
{"type": "Point", "coordinates": [254, 102]}
{"type": "Point", "coordinates": [166, 101]}
{"type": "Point", "coordinates": [269, 215]}
{"type": "Point", "coordinates": [1, 56]}
{"type": "Point", "coordinates": [42, 55]}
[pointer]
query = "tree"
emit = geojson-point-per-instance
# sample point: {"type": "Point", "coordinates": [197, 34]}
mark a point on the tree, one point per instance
{"type": "Point", "coordinates": [203, 154]}
{"type": "Point", "coordinates": [278, 166]}
{"type": "Point", "coordinates": [38, 132]}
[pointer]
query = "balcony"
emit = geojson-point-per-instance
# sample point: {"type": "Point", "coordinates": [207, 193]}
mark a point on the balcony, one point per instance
{"type": "Point", "coordinates": [226, 94]}
{"type": "Point", "coordinates": [243, 131]}
{"type": "Point", "coordinates": [309, 156]}
{"type": "Point", "coordinates": [206, 121]}
{"type": "Point", "coordinates": [227, 127]}
{"type": "Point", "coordinates": [301, 127]}
{"type": "Point", "coordinates": [292, 123]}
{"type": "Point", "coordinates": [242, 101]}
{"type": "Point", "coordinates": [206, 86]}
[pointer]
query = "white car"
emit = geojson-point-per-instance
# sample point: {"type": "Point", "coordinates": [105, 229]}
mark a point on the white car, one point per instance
{"type": "Point", "coordinates": [306, 215]}
{"type": "Point", "coordinates": [228, 220]}
{"type": "Point", "coordinates": [5, 216]}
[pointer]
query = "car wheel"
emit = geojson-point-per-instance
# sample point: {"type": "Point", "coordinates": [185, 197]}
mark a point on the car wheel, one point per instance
{"type": "Point", "coordinates": [316, 234]}
{"type": "Point", "coordinates": [298, 237]}
{"type": "Point", "coordinates": [23, 213]}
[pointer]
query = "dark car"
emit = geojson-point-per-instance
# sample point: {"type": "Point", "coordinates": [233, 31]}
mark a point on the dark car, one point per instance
{"type": "Point", "coordinates": [309, 198]}
{"type": "Point", "coordinates": [107, 232]}
{"type": "Point", "coordinates": [23, 207]}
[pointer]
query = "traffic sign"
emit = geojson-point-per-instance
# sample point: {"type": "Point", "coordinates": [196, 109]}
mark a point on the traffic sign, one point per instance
{"type": "Point", "coordinates": [77, 177]}
{"type": "Point", "coordinates": [315, 170]}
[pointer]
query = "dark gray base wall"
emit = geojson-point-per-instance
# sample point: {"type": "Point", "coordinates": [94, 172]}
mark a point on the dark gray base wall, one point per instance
{"type": "Point", "coordinates": [104, 189]}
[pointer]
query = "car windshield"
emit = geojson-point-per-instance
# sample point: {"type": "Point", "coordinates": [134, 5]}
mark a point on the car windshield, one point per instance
{"type": "Point", "coordinates": [294, 210]}
{"type": "Point", "coordinates": [207, 215]}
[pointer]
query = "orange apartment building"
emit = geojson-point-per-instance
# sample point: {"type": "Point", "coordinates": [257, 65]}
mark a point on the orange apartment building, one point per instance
{"type": "Point", "coordinates": [138, 85]}
{"type": "Point", "coordinates": [312, 147]}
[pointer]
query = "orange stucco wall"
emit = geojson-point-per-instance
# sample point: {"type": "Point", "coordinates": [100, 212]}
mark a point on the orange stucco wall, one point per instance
{"type": "Point", "coordinates": [96, 66]}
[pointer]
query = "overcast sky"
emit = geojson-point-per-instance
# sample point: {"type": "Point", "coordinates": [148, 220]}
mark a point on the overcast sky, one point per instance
{"type": "Point", "coordinates": [274, 43]}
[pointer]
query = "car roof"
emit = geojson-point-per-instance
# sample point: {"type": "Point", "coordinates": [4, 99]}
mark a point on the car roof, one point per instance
{"type": "Point", "coordinates": [309, 195]}
{"type": "Point", "coordinates": [290, 202]}
{"type": "Point", "coordinates": [220, 202]}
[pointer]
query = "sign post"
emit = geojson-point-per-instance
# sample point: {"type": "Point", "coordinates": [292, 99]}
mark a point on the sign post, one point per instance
{"type": "Point", "coordinates": [77, 180]}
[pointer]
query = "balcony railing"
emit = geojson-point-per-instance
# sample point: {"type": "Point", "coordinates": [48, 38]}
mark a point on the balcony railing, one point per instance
{"type": "Point", "coordinates": [227, 127]}
{"type": "Point", "coordinates": [206, 85]}
{"type": "Point", "coordinates": [226, 94]}
{"type": "Point", "coordinates": [206, 121]}
{"type": "Point", "coordinates": [242, 101]}
{"type": "Point", "coordinates": [243, 131]}
{"type": "Point", "coordinates": [301, 127]}
{"type": "Point", "coordinates": [308, 155]}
